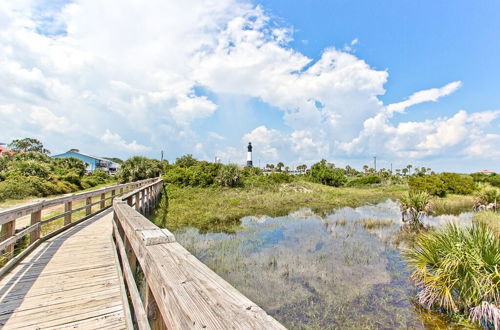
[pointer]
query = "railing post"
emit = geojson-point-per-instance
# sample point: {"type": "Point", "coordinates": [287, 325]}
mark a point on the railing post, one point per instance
{"type": "Point", "coordinates": [88, 210]}
{"type": "Point", "coordinates": [36, 217]}
{"type": "Point", "coordinates": [151, 308]}
{"type": "Point", "coordinates": [68, 206]}
{"type": "Point", "coordinates": [8, 230]}
{"type": "Point", "coordinates": [137, 201]}
{"type": "Point", "coordinates": [132, 259]}
{"type": "Point", "coordinates": [103, 201]}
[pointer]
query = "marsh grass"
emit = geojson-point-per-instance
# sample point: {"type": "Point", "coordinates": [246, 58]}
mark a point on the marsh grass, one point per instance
{"type": "Point", "coordinates": [490, 219]}
{"type": "Point", "coordinates": [452, 204]}
{"type": "Point", "coordinates": [219, 209]}
{"type": "Point", "coordinates": [370, 223]}
{"type": "Point", "coordinates": [318, 273]}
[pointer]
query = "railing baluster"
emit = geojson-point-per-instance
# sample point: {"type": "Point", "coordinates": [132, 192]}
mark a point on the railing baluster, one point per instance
{"type": "Point", "coordinates": [103, 201]}
{"type": "Point", "coordinates": [8, 230]}
{"type": "Point", "coordinates": [88, 210]}
{"type": "Point", "coordinates": [68, 206]}
{"type": "Point", "coordinates": [35, 218]}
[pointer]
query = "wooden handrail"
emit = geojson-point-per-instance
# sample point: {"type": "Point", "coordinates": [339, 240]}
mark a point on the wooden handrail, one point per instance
{"type": "Point", "coordinates": [9, 216]}
{"type": "Point", "coordinates": [180, 292]}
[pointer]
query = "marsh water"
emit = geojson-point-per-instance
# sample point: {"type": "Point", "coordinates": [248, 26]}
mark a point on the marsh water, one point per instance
{"type": "Point", "coordinates": [342, 271]}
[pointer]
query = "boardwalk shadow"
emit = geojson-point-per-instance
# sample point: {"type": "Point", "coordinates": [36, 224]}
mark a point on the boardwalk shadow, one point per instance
{"type": "Point", "coordinates": [23, 276]}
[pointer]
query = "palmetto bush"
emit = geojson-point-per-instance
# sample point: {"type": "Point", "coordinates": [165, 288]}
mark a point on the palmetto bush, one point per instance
{"type": "Point", "coordinates": [229, 176]}
{"type": "Point", "coordinates": [414, 205]}
{"type": "Point", "coordinates": [487, 195]}
{"type": "Point", "coordinates": [457, 270]}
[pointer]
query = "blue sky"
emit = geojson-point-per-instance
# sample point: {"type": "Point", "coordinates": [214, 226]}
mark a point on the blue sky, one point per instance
{"type": "Point", "coordinates": [413, 82]}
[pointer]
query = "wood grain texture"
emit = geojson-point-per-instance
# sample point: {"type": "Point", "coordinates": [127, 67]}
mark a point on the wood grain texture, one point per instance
{"type": "Point", "coordinates": [186, 293]}
{"type": "Point", "coordinates": [69, 281]}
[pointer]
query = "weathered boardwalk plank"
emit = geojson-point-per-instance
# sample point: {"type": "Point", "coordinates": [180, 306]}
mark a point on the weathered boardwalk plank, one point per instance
{"type": "Point", "coordinates": [69, 281]}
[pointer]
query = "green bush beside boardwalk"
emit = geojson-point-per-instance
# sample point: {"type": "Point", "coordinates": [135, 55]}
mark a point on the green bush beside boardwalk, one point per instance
{"type": "Point", "coordinates": [31, 174]}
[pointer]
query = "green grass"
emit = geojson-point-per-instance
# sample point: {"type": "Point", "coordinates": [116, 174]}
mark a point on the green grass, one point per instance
{"type": "Point", "coordinates": [452, 204]}
{"type": "Point", "coordinates": [219, 209]}
{"type": "Point", "coordinates": [490, 219]}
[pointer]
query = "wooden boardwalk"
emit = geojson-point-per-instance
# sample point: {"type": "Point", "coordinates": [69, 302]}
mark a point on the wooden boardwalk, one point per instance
{"type": "Point", "coordinates": [70, 281]}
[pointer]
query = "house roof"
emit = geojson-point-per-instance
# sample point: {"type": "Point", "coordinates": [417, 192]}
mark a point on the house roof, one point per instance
{"type": "Point", "coordinates": [86, 155]}
{"type": "Point", "coordinates": [486, 172]}
{"type": "Point", "coordinates": [3, 150]}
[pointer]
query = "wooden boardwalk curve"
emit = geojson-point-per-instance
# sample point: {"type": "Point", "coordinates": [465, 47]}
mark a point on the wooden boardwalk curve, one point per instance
{"type": "Point", "coordinates": [110, 269]}
{"type": "Point", "coordinates": [71, 280]}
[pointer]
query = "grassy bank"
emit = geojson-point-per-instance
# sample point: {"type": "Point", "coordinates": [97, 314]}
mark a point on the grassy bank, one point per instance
{"type": "Point", "coordinates": [490, 219]}
{"type": "Point", "coordinates": [219, 208]}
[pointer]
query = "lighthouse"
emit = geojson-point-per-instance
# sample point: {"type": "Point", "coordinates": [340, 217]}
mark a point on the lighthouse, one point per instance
{"type": "Point", "coordinates": [249, 154]}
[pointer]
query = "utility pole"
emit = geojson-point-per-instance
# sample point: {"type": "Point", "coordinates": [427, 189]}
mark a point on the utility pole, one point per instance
{"type": "Point", "coordinates": [375, 163]}
{"type": "Point", "coordinates": [391, 168]}
{"type": "Point", "coordinates": [161, 155]}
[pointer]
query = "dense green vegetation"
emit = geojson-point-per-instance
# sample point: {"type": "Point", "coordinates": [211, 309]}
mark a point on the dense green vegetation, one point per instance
{"type": "Point", "coordinates": [26, 174]}
{"type": "Point", "coordinates": [442, 184]}
{"type": "Point", "coordinates": [492, 179]}
{"type": "Point", "coordinates": [28, 171]}
{"type": "Point", "coordinates": [457, 271]}
{"type": "Point", "coordinates": [218, 208]}
{"type": "Point", "coordinates": [139, 168]}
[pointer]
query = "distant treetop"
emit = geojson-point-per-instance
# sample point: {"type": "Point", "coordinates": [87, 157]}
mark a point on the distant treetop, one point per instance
{"type": "Point", "coordinates": [28, 144]}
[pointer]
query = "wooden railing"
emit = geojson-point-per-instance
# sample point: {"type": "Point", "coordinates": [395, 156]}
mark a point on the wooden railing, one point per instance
{"type": "Point", "coordinates": [45, 218]}
{"type": "Point", "coordinates": [176, 290]}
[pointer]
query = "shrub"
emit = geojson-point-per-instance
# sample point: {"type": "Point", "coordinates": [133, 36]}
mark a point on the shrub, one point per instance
{"type": "Point", "coordinates": [363, 181]}
{"type": "Point", "coordinates": [202, 174]}
{"type": "Point", "coordinates": [69, 165]}
{"type": "Point", "coordinates": [88, 182]}
{"type": "Point", "coordinates": [71, 177]}
{"type": "Point", "coordinates": [457, 184]}
{"type": "Point", "coordinates": [456, 270]}
{"type": "Point", "coordinates": [140, 168]}
{"type": "Point", "coordinates": [279, 178]}
{"type": "Point", "coordinates": [493, 179]}
{"type": "Point", "coordinates": [487, 196]}
{"type": "Point", "coordinates": [325, 173]}
{"type": "Point", "coordinates": [186, 161]}
{"type": "Point", "coordinates": [251, 171]}
{"type": "Point", "coordinates": [30, 168]}
{"type": "Point", "coordinates": [229, 176]}
{"type": "Point", "coordinates": [100, 176]}
{"type": "Point", "coordinates": [432, 184]}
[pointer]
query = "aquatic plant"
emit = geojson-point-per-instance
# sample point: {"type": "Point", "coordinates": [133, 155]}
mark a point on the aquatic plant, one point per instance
{"type": "Point", "coordinates": [370, 223]}
{"type": "Point", "coordinates": [414, 205]}
{"type": "Point", "coordinates": [457, 270]}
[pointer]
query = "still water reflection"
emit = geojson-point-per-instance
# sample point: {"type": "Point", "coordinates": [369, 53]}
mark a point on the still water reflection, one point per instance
{"type": "Point", "coordinates": [342, 271]}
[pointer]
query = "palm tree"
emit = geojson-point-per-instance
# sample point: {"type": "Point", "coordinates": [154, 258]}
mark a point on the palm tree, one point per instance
{"type": "Point", "coordinates": [405, 171]}
{"type": "Point", "coordinates": [279, 166]}
{"type": "Point", "coordinates": [409, 168]}
{"type": "Point", "coordinates": [365, 168]}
